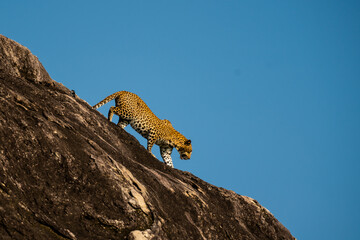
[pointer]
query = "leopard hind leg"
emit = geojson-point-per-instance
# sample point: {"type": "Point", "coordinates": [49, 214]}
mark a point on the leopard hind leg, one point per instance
{"type": "Point", "coordinates": [116, 110]}
{"type": "Point", "coordinates": [123, 123]}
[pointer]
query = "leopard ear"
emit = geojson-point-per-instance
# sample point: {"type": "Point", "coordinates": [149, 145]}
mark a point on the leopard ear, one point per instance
{"type": "Point", "coordinates": [188, 142]}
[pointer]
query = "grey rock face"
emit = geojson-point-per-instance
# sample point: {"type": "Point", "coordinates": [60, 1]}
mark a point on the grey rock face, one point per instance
{"type": "Point", "coordinates": [66, 172]}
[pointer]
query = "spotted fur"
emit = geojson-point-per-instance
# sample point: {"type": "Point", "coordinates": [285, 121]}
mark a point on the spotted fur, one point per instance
{"type": "Point", "coordinates": [132, 110]}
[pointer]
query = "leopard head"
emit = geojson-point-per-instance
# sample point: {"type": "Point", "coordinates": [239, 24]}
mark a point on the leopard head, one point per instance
{"type": "Point", "coordinates": [185, 150]}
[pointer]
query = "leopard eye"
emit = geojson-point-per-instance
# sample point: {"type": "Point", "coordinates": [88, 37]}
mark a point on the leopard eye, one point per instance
{"type": "Point", "coordinates": [188, 142]}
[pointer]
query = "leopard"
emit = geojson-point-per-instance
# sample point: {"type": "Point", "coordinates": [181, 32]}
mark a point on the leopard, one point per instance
{"type": "Point", "coordinates": [132, 110]}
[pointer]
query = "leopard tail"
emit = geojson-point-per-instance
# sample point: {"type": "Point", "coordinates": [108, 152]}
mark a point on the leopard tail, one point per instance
{"type": "Point", "coordinates": [106, 100]}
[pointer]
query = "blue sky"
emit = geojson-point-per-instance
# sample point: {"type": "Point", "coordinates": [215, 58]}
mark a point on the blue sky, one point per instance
{"type": "Point", "coordinates": [268, 91]}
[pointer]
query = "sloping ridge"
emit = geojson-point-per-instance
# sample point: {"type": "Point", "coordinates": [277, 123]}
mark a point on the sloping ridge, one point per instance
{"type": "Point", "coordinates": [66, 172]}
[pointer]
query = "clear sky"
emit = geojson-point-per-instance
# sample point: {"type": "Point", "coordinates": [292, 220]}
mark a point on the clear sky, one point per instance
{"type": "Point", "coordinates": [268, 91]}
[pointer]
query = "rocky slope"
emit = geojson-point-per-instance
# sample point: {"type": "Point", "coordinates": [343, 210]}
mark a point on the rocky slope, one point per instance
{"type": "Point", "coordinates": [68, 173]}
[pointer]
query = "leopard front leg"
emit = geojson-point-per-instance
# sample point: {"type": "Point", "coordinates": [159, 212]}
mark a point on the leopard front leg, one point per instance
{"type": "Point", "coordinates": [165, 152]}
{"type": "Point", "coordinates": [150, 144]}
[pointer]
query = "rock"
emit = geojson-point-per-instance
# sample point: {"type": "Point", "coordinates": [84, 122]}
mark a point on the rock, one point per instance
{"type": "Point", "coordinates": [66, 172]}
{"type": "Point", "coordinates": [140, 235]}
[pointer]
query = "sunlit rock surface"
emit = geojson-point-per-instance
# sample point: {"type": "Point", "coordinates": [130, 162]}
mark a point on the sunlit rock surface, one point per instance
{"type": "Point", "coordinates": [66, 172]}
